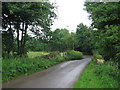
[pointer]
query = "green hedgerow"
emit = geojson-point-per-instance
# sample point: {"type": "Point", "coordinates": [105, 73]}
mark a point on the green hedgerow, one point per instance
{"type": "Point", "coordinates": [74, 55]}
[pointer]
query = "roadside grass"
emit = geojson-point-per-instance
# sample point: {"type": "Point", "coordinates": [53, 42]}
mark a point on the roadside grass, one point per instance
{"type": "Point", "coordinates": [99, 76]}
{"type": "Point", "coordinates": [36, 61]}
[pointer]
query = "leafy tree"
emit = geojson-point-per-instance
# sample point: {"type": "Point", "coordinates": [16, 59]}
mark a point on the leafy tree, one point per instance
{"type": "Point", "coordinates": [35, 44]}
{"type": "Point", "coordinates": [62, 40]}
{"type": "Point", "coordinates": [7, 40]}
{"type": "Point", "coordinates": [84, 38]}
{"type": "Point", "coordinates": [103, 13]}
{"type": "Point", "coordinates": [109, 43]}
{"type": "Point", "coordinates": [72, 40]}
{"type": "Point", "coordinates": [57, 41]}
{"type": "Point", "coordinates": [27, 16]}
{"type": "Point", "coordinates": [106, 19]}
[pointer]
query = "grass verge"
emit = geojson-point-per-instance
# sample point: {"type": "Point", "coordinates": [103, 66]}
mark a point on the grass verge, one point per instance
{"type": "Point", "coordinates": [36, 61]}
{"type": "Point", "coordinates": [99, 76]}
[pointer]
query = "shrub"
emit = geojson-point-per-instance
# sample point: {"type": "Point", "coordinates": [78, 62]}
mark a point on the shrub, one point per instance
{"type": "Point", "coordinates": [73, 55]}
{"type": "Point", "coordinates": [98, 58]}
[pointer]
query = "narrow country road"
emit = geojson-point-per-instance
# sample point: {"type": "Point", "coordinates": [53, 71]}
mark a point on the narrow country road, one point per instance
{"type": "Point", "coordinates": [63, 75]}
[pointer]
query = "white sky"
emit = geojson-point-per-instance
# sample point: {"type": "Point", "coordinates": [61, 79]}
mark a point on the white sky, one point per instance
{"type": "Point", "coordinates": [70, 14]}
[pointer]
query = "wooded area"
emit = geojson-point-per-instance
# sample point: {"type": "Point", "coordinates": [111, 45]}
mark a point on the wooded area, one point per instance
{"type": "Point", "coordinates": [19, 19]}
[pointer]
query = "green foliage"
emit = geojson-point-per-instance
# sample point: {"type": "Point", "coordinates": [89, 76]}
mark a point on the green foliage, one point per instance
{"type": "Point", "coordinates": [52, 55]}
{"type": "Point", "coordinates": [17, 17]}
{"type": "Point", "coordinates": [36, 61]}
{"type": "Point", "coordinates": [107, 42]}
{"type": "Point", "coordinates": [62, 40]}
{"type": "Point", "coordinates": [99, 76]}
{"type": "Point", "coordinates": [36, 54]}
{"type": "Point", "coordinates": [97, 55]}
{"type": "Point", "coordinates": [7, 37]}
{"type": "Point", "coordinates": [103, 13]}
{"type": "Point", "coordinates": [84, 39]}
{"type": "Point", "coordinates": [74, 55]}
{"type": "Point", "coordinates": [106, 37]}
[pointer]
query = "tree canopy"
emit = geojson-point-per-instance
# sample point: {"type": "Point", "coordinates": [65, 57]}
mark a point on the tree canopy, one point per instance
{"type": "Point", "coordinates": [23, 17]}
{"type": "Point", "coordinates": [106, 18]}
{"type": "Point", "coordinates": [103, 13]}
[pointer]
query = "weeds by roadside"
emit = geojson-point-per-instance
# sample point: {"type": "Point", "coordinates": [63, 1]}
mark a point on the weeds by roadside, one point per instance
{"type": "Point", "coordinates": [16, 67]}
{"type": "Point", "coordinates": [99, 75]}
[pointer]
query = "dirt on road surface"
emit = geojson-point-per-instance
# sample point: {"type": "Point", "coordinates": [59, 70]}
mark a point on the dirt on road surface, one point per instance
{"type": "Point", "coordinates": [63, 75]}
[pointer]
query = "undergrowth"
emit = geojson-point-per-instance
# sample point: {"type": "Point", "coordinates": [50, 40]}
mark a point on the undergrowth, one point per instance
{"type": "Point", "coordinates": [99, 75]}
{"type": "Point", "coordinates": [15, 67]}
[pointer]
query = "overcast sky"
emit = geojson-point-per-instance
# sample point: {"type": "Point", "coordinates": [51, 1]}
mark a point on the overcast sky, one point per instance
{"type": "Point", "coordinates": [70, 14]}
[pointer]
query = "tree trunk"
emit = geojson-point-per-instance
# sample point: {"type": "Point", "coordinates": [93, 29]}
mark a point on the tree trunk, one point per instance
{"type": "Point", "coordinates": [18, 44]}
{"type": "Point", "coordinates": [21, 43]}
{"type": "Point", "coordinates": [23, 51]}
{"type": "Point", "coordinates": [24, 40]}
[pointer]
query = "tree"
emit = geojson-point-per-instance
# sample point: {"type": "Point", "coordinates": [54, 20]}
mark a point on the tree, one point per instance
{"type": "Point", "coordinates": [84, 38]}
{"type": "Point", "coordinates": [103, 13]}
{"type": "Point", "coordinates": [7, 40]}
{"type": "Point", "coordinates": [109, 43]}
{"type": "Point", "coordinates": [105, 17]}
{"type": "Point", "coordinates": [62, 40]}
{"type": "Point", "coordinates": [27, 16]}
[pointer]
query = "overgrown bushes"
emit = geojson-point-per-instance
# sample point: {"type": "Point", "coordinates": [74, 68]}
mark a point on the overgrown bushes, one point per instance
{"type": "Point", "coordinates": [15, 67]}
{"type": "Point", "coordinates": [74, 55]}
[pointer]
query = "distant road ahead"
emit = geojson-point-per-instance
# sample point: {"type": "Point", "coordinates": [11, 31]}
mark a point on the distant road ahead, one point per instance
{"type": "Point", "coordinates": [63, 75]}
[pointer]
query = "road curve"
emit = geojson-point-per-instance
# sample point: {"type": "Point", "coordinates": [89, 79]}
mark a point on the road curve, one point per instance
{"type": "Point", "coordinates": [63, 75]}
